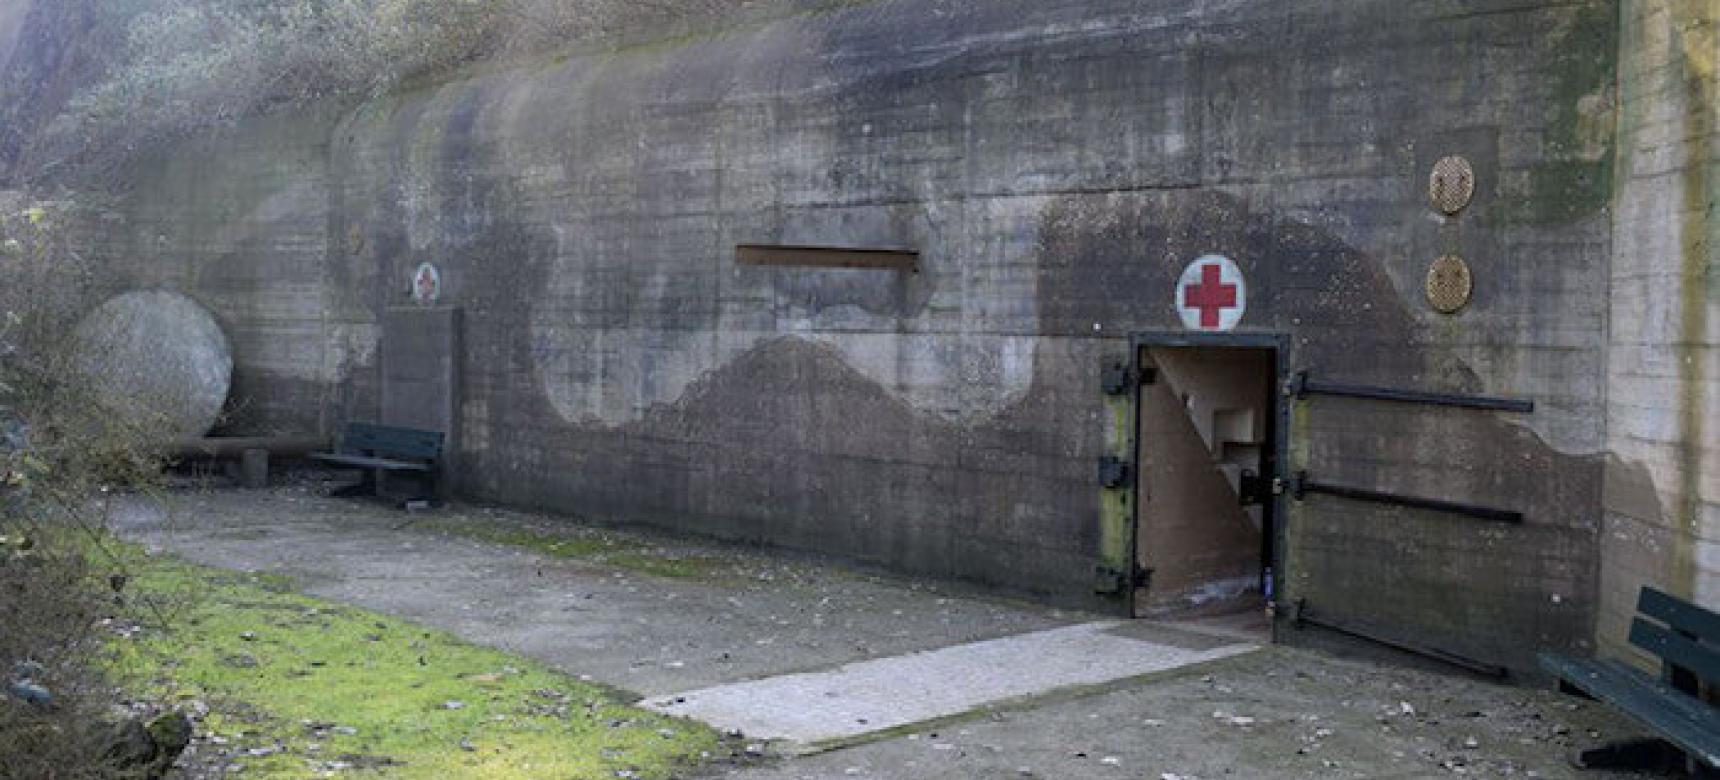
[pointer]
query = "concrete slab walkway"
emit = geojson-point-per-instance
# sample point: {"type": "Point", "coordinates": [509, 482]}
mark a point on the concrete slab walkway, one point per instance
{"type": "Point", "coordinates": [812, 709]}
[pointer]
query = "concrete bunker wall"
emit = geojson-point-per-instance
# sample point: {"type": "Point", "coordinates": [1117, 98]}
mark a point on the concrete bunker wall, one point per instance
{"type": "Point", "coordinates": [1058, 163]}
{"type": "Point", "coordinates": [1662, 497]}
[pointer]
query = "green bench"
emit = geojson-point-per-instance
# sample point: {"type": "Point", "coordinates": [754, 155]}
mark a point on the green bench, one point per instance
{"type": "Point", "coordinates": [381, 450]}
{"type": "Point", "coordinates": [1686, 639]}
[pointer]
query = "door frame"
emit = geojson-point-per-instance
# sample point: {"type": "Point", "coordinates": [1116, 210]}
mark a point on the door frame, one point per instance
{"type": "Point", "coordinates": [1280, 344]}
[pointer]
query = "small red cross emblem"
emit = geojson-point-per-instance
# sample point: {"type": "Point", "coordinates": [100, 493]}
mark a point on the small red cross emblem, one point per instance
{"type": "Point", "coordinates": [1212, 296]}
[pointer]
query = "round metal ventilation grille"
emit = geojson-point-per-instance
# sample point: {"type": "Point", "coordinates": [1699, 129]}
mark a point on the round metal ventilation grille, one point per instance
{"type": "Point", "coordinates": [1449, 284]}
{"type": "Point", "coordinates": [1452, 185]}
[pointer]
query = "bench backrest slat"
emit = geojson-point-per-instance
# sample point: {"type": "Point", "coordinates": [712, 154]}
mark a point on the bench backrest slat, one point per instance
{"type": "Point", "coordinates": [386, 441]}
{"type": "Point", "coordinates": [1679, 615]}
{"type": "Point", "coordinates": [1679, 651]}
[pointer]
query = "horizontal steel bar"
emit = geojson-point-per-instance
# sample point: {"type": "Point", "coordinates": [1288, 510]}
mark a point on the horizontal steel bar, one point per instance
{"type": "Point", "coordinates": [1303, 614]}
{"type": "Point", "coordinates": [1302, 387]}
{"type": "Point", "coordinates": [1301, 485]}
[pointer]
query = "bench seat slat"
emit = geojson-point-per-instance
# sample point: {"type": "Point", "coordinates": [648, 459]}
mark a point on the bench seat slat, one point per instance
{"type": "Point", "coordinates": [1682, 719]}
{"type": "Point", "coordinates": [353, 447]}
{"type": "Point", "coordinates": [1578, 671]}
{"type": "Point", "coordinates": [368, 438]}
{"type": "Point", "coordinates": [1679, 615]}
{"type": "Point", "coordinates": [365, 461]}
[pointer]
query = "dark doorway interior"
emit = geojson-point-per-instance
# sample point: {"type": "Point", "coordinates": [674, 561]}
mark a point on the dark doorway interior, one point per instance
{"type": "Point", "coordinates": [1208, 449]}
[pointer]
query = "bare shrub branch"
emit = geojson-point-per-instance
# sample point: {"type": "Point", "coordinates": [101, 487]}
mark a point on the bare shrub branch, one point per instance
{"type": "Point", "coordinates": [63, 450]}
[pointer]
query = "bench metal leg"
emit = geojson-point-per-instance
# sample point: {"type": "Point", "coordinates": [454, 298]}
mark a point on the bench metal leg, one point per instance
{"type": "Point", "coordinates": [374, 483]}
{"type": "Point", "coordinates": [424, 491]}
{"type": "Point", "coordinates": [410, 488]}
{"type": "Point", "coordinates": [1638, 754]}
{"type": "Point", "coordinates": [367, 485]}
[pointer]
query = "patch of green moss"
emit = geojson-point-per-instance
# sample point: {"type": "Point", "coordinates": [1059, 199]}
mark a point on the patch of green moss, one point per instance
{"type": "Point", "coordinates": [686, 567]}
{"type": "Point", "coordinates": [554, 545]}
{"type": "Point", "coordinates": [1575, 179]}
{"type": "Point", "coordinates": [605, 549]}
{"type": "Point", "coordinates": [1564, 190]}
{"type": "Point", "coordinates": [1116, 510]}
{"type": "Point", "coordinates": [297, 686]}
{"type": "Point", "coordinates": [1296, 513]}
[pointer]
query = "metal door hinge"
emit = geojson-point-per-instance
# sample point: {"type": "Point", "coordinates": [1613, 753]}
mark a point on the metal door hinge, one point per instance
{"type": "Point", "coordinates": [1252, 489]}
{"type": "Point", "coordinates": [1114, 472]}
{"type": "Point", "coordinates": [1117, 378]}
{"type": "Point", "coordinates": [1111, 581]}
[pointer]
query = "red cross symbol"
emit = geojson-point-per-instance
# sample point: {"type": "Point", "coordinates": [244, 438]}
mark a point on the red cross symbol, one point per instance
{"type": "Point", "coordinates": [1212, 296]}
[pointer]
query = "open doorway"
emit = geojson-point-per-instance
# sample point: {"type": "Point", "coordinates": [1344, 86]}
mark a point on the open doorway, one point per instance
{"type": "Point", "coordinates": [1209, 446]}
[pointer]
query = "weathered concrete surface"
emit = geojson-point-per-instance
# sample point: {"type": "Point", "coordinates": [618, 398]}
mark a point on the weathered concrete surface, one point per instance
{"type": "Point", "coordinates": [1278, 713]}
{"type": "Point", "coordinates": [158, 359]}
{"type": "Point", "coordinates": [1663, 486]}
{"type": "Point", "coordinates": [1058, 163]}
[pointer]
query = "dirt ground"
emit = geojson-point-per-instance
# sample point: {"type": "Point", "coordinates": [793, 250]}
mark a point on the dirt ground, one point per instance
{"type": "Point", "coordinates": [1281, 713]}
{"type": "Point", "coordinates": [654, 615]}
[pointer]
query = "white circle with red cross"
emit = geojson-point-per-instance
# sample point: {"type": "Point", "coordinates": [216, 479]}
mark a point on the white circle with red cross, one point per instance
{"type": "Point", "coordinates": [1212, 295]}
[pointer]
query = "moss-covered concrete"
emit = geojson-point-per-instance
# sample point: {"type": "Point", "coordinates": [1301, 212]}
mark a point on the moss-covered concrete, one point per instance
{"type": "Point", "coordinates": [297, 686]}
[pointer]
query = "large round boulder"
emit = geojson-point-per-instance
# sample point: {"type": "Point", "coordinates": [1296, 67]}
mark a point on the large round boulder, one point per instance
{"type": "Point", "coordinates": [159, 359]}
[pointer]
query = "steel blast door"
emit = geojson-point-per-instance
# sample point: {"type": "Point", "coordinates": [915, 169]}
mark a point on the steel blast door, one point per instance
{"type": "Point", "coordinates": [1207, 450]}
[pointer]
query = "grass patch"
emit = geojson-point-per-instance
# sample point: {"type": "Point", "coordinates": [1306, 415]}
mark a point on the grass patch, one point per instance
{"type": "Point", "coordinates": [607, 549]}
{"type": "Point", "coordinates": [297, 686]}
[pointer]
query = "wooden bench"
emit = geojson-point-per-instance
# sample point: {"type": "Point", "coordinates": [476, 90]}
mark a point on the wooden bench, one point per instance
{"type": "Point", "coordinates": [1686, 639]}
{"type": "Point", "coordinates": [380, 450]}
